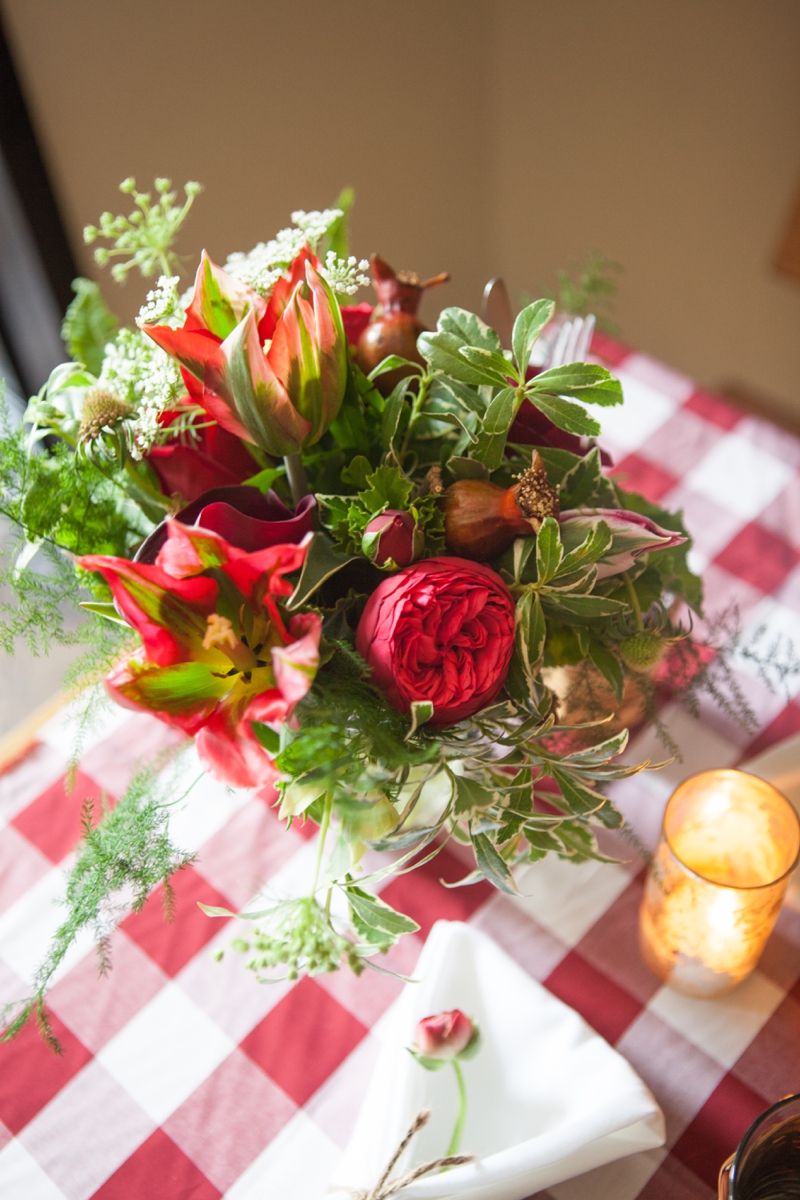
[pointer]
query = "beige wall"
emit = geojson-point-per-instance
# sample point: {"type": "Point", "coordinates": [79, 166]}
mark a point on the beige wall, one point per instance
{"type": "Point", "coordinates": [503, 137]}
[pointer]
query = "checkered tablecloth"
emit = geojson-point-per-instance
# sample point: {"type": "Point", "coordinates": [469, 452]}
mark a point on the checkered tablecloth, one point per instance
{"type": "Point", "coordinates": [182, 1078]}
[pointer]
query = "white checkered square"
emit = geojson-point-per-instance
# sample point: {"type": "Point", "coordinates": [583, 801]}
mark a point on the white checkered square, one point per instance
{"type": "Point", "coordinates": [275, 1172]}
{"type": "Point", "coordinates": [23, 1178]}
{"type": "Point", "coordinates": [568, 899]}
{"type": "Point", "coordinates": [627, 426]}
{"type": "Point", "coordinates": [724, 1027]}
{"type": "Point", "coordinates": [740, 476]}
{"type": "Point", "coordinates": [165, 1052]}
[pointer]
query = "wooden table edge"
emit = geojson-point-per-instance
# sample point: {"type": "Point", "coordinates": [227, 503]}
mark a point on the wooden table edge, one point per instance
{"type": "Point", "coordinates": [18, 740]}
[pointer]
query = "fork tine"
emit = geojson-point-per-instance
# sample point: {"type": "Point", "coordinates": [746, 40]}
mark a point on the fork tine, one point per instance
{"type": "Point", "coordinates": [557, 358]}
{"type": "Point", "coordinates": [570, 353]}
{"type": "Point", "coordinates": [585, 339]}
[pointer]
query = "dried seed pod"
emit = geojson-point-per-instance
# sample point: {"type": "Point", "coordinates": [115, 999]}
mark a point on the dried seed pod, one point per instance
{"type": "Point", "coordinates": [102, 409]}
{"type": "Point", "coordinates": [481, 519]}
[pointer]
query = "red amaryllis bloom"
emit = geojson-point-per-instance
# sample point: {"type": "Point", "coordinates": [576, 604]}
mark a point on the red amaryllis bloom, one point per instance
{"type": "Point", "coordinates": [444, 1036]}
{"type": "Point", "coordinates": [356, 318]}
{"type": "Point", "coordinates": [272, 373]}
{"type": "Point", "coordinates": [217, 653]}
{"type": "Point", "coordinates": [211, 458]}
{"type": "Point", "coordinates": [242, 516]}
{"type": "Point", "coordinates": [441, 630]}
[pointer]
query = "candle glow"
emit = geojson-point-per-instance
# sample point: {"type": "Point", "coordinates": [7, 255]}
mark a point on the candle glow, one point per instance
{"type": "Point", "coordinates": [717, 880]}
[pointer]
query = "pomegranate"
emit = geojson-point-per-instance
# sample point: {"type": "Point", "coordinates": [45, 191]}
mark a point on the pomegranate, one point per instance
{"type": "Point", "coordinates": [395, 326]}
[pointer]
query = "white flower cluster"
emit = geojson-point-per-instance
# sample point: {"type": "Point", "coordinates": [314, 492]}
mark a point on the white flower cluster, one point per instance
{"type": "Point", "coordinates": [163, 305]}
{"type": "Point", "coordinates": [268, 261]}
{"type": "Point", "coordinates": [143, 375]}
{"type": "Point", "coordinates": [345, 276]}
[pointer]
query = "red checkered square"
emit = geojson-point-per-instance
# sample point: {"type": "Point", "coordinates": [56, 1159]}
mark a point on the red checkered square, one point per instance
{"type": "Point", "coordinates": [303, 1040]}
{"type": "Point", "coordinates": [228, 1121]}
{"type": "Point", "coordinates": [674, 1181]}
{"type": "Point", "coordinates": [783, 726]}
{"type": "Point", "coordinates": [607, 1007]}
{"type": "Point", "coordinates": [718, 1128]}
{"type": "Point", "coordinates": [714, 409]}
{"type": "Point", "coordinates": [612, 945]}
{"type": "Point", "coordinates": [609, 349]}
{"type": "Point", "coordinates": [770, 1064]}
{"type": "Point", "coordinates": [758, 556]}
{"type": "Point", "coordinates": [421, 896]}
{"type": "Point", "coordinates": [639, 474]}
{"type": "Point", "coordinates": [31, 1073]}
{"type": "Point", "coordinates": [678, 1073]}
{"type": "Point", "coordinates": [96, 1008]}
{"type": "Point", "coordinates": [173, 943]}
{"type": "Point", "coordinates": [159, 1169]}
{"type": "Point", "coordinates": [53, 821]}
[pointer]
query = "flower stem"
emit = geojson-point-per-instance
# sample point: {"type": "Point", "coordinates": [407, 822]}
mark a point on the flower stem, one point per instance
{"type": "Point", "coordinates": [323, 833]}
{"type": "Point", "coordinates": [634, 599]}
{"type": "Point", "coordinates": [296, 474]}
{"type": "Point", "coordinates": [455, 1140]}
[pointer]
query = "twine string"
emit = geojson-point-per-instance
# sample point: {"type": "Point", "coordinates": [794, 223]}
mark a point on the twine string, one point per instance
{"type": "Point", "coordinates": [385, 1188]}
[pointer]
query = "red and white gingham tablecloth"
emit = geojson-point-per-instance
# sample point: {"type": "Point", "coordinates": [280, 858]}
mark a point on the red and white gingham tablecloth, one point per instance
{"type": "Point", "coordinates": [184, 1079]}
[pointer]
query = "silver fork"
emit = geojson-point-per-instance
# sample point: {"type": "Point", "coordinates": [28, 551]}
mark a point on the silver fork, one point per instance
{"type": "Point", "coordinates": [565, 340]}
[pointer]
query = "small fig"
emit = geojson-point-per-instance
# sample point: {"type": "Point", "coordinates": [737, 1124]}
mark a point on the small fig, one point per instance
{"type": "Point", "coordinates": [395, 326]}
{"type": "Point", "coordinates": [481, 519]}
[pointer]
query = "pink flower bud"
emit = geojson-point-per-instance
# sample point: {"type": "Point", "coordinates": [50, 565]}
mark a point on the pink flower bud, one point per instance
{"type": "Point", "coordinates": [444, 1036]}
{"type": "Point", "coordinates": [392, 535]}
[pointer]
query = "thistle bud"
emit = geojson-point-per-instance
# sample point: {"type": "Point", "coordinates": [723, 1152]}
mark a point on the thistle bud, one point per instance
{"type": "Point", "coordinates": [392, 537]}
{"type": "Point", "coordinates": [642, 650]}
{"type": "Point", "coordinates": [102, 409]}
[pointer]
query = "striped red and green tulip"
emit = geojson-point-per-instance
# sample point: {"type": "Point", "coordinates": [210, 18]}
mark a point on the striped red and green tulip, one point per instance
{"type": "Point", "coordinates": [217, 653]}
{"type": "Point", "coordinates": [271, 372]}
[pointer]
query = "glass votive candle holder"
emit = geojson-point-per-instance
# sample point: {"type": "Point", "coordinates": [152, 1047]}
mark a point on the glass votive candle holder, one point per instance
{"type": "Point", "coordinates": [717, 881]}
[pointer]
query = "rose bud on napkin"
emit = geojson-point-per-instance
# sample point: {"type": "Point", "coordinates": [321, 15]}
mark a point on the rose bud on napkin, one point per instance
{"type": "Point", "coordinates": [445, 1038]}
{"type": "Point", "coordinates": [441, 1038]}
{"type": "Point", "coordinates": [392, 539]}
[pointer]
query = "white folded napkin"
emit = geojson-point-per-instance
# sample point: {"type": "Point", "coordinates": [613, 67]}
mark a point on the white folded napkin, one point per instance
{"type": "Point", "coordinates": [547, 1097]}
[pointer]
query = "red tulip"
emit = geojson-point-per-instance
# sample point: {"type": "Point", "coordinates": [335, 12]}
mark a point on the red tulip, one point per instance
{"type": "Point", "coordinates": [270, 373]}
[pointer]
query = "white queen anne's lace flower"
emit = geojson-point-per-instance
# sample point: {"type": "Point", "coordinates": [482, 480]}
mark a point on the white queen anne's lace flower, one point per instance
{"type": "Point", "coordinates": [268, 261]}
{"type": "Point", "coordinates": [164, 305]}
{"type": "Point", "coordinates": [147, 379]}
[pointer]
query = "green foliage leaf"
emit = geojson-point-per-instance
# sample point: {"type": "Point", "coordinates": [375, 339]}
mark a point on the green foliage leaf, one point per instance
{"type": "Point", "coordinates": [583, 381]}
{"type": "Point", "coordinates": [321, 562]}
{"type": "Point", "coordinates": [527, 327]}
{"type": "Point", "coordinates": [566, 415]}
{"type": "Point", "coordinates": [588, 607]}
{"type": "Point", "coordinates": [89, 325]}
{"type": "Point", "coordinates": [442, 352]}
{"type": "Point", "coordinates": [549, 550]}
{"type": "Point", "coordinates": [672, 565]}
{"type": "Point", "coordinates": [387, 487]}
{"type": "Point", "coordinates": [469, 795]}
{"type": "Point", "coordinates": [494, 368]}
{"type": "Point", "coordinates": [585, 486]}
{"type": "Point", "coordinates": [492, 866]}
{"type": "Point", "coordinates": [592, 548]}
{"type": "Point", "coordinates": [469, 329]}
{"type": "Point", "coordinates": [377, 915]}
{"type": "Point", "coordinates": [609, 667]}
{"type": "Point", "coordinates": [391, 363]}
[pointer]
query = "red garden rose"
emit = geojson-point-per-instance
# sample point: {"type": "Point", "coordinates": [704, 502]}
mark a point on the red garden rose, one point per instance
{"type": "Point", "coordinates": [441, 630]}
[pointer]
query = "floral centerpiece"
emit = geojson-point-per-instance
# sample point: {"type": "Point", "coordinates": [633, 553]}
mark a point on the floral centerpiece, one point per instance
{"type": "Point", "coordinates": [339, 551]}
